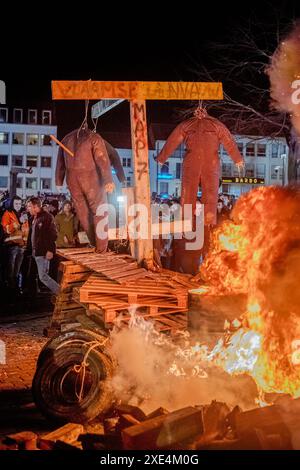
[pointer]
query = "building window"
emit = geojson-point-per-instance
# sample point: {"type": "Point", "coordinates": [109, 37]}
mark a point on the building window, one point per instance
{"type": "Point", "coordinates": [4, 137]}
{"type": "Point", "coordinates": [127, 162]}
{"type": "Point", "coordinates": [3, 114]}
{"type": "Point", "coordinates": [276, 172]}
{"type": "Point", "coordinates": [178, 171]}
{"type": "Point", "coordinates": [128, 181]}
{"type": "Point", "coordinates": [165, 168]}
{"type": "Point", "coordinates": [260, 170]}
{"type": "Point", "coordinates": [3, 160]}
{"type": "Point", "coordinates": [31, 183]}
{"type": "Point", "coordinates": [241, 147]}
{"type": "Point", "coordinates": [46, 183]}
{"type": "Point", "coordinates": [4, 182]}
{"type": "Point", "coordinates": [18, 116]}
{"type": "Point", "coordinates": [275, 147]}
{"type": "Point", "coordinates": [31, 161]}
{"type": "Point", "coordinates": [225, 188]}
{"type": "Point", "coordinates": [45, 139]}
{"type": "Point", "coordinates": [261, 150]}
{"type": "Point", "coordinates": [17, 160]}
{"type": "Point", "coordinates": [19, 183]}
{"type": "Point", "coordinates": [32, 116]}
{"type": "Point", "coordinates": [164, 188]}
{"type": "Point", "coordinates": [282, 149]}
{"type": "Point", "coordinates": [46, 162]}
{"type": "Point", "coordinates": [18, 138]}
{"type": "Point", "coordinates": [249, 170]}
{"type": "Point", "coordinates": [250, 150]}
{"type": "Point", "coordinates": [32, 139]}
{"type": "Point", "coordinates": [46, 118]}
{"type": "Point", "coordinates": [226, 169]}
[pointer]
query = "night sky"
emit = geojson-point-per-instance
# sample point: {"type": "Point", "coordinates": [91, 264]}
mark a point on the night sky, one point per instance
{"type": "Point", "coordinates": [103, 45]}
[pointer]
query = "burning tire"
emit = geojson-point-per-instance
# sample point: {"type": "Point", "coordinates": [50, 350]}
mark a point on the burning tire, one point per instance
{"type": "Point", "coordinates": [71, 382]}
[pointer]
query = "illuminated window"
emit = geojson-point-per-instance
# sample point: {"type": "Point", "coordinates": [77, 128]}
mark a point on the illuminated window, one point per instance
{"type": "Point", "coordinates": [18, 138]}
{"type": "Point", "coordinates": [32, 139]}
{"type": "Point", "coordinates": [4, 137]}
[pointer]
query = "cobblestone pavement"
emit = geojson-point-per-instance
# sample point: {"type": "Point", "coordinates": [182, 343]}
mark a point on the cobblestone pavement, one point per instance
{"type": "Point", "coordinates": [23, 341]}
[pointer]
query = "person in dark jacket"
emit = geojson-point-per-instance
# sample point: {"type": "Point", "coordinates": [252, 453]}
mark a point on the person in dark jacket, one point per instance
{"type": "Point", "coordinates": [41, 241]}
{"type": "Point", "coordinates": [89, 178]}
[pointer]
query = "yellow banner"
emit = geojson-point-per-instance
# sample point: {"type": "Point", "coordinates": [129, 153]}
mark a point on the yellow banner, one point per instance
{"type": "Point", "coordinates": [84, 90]}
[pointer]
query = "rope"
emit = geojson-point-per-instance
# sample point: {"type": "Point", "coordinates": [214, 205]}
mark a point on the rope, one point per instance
{"type": "Point", "coordinates": [85, 120]}
{"type": "Point", "coordinates": [81, 368]}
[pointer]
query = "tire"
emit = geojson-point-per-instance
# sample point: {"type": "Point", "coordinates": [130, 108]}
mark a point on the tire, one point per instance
{"type": "Point", "coordinates": [55, 384]}
{"type": "Point", "coordinates": [77, 337]}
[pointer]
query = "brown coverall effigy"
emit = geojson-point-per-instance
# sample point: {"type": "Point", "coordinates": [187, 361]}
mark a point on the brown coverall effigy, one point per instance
{"type": "Point", "coordinates": [201, 164]}
{"type": "Point", "coordinates": [87, 173]}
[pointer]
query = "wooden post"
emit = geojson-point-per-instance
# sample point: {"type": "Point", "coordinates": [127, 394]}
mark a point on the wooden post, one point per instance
{"type": "Point", "coordinates": [137, 92]}
{"type": "Point", "coordinates": [143, 247]}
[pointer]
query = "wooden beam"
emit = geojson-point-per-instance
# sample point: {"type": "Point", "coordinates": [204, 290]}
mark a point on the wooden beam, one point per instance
{"type": "Point", "coordinates": [139, 137]}
{"type": "Point", "coordinates": [97, 90]}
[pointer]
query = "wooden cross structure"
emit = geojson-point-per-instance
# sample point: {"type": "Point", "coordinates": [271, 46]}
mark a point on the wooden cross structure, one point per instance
{"type": "Point", "coordinates": [137, 93]}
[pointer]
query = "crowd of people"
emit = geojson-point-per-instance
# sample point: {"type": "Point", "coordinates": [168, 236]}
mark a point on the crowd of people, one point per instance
{"type": "Point", "coordinates": [30, 232]}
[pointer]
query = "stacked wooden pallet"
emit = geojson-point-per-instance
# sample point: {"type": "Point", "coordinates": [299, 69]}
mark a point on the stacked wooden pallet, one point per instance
{"type": "Point", "coordinates": [108, 286]}
{"type": "Point", "coordinates": [70, 276]}
{"type": "Point", "coordinates": [118, 267]}
{"type": "Point", "coordinates": [157, 297]}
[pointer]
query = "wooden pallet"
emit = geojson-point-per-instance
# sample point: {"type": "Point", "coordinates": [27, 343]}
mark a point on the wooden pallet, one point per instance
{"type": "Point", "coordinates": [65, 308]}
{"type": "Point", "coordinates": [118, 267]}
{"type": "Point", "coordinates": [170, 321]}
{"type": "Point", "coordinates": [104, 286]}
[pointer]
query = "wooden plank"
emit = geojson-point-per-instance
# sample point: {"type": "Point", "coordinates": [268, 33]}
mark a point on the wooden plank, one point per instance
{"type": "Point", "coordinates": [67, 433]}
{"type": "Point", "coordinates": [135, 90]}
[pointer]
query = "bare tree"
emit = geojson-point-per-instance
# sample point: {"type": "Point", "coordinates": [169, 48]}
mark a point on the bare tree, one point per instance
{"type": "Point", "coordinates": [241, 63]}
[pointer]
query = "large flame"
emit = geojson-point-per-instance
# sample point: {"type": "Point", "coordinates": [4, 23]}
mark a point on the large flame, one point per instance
{"type": "Point", "coordinates": [258, 253]}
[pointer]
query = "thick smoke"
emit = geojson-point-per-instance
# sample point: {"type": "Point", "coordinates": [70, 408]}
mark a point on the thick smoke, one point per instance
{"type": "Point", "coordinates": [283, 71]}
{"type": "Point", "coordinates": [154, 371]}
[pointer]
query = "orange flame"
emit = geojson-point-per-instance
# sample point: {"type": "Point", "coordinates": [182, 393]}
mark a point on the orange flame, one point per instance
{"type": "Point", "coordinates": [258, 254]}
